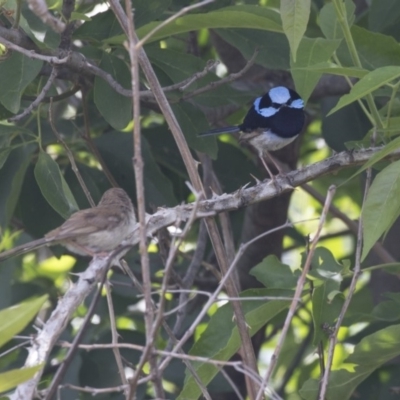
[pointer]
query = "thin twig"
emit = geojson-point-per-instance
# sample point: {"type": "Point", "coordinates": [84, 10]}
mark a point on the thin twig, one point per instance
{"type": "Point", "coordinates": [181, 12]}
{"type": "Point", "coordinates": [297, 295]}
{"type": "Point", "coordinates": [33, 53]}
{"type": "Point", "coordinates": [138, 347]}
{"type": "Point", "coordinates": [38, 99]}
{"type": "Point", "coordinates": [174, 249]}
{"type": "Point", "coordinates": [356, 274]}
{"type": "Point", "coordinates": [138, 168]}
{"type": "Point", "coordinates": [57, 97]}
{"type": "Point", "coordinates": [94, 391]}
{"type": "Point", "coordinates": [114, 339]}
{"type": "Point", "coordinates": [71, 158]}
{"type": "Point", "coordinates": [189, 279]}
{"type": "Point", "coordinates": [230, 78]}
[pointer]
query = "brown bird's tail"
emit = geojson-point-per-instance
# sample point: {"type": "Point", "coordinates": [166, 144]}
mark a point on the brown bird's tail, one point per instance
{"type": "Point", "coordinates": [23, 248]}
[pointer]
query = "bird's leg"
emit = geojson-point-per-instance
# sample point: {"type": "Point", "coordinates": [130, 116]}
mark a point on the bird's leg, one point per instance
{"type": "Point", "coordinates": [272, 176]}
{"type": "Point", "coordinates": [275, 162]}
{"type": "Point", "coordinates": [282, 168]}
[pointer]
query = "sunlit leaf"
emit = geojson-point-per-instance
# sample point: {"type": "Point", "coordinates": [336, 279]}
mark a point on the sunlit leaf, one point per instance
{"type": "Point", "coordinates": [295, 15]}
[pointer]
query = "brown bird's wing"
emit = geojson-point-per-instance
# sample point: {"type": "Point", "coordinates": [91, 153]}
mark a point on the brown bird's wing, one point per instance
{"type": "Point", "coordinates": [85, 222]}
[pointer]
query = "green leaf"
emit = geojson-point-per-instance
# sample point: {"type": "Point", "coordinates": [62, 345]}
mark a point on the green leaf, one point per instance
{"type": "Point", "coordinates": [158, 188]}
{"type": "Point", "coordinates": [329, 23]}
{"type": "Point", "coordinates": [53, 186]}
{"type": "Point", "coordinates": [349, 123]}
{"type": "Point", "coordinates": [100, 27]}
{"type": "Point", "coordinates": [267, 42]}
{"type": "Point", "coordinates": [295, 15]}
{"type": "Point", "coordinates": [14, 319]}
{"type": "Point", "coordinates": [371, 353]}
{"type": "Point", "coordinates": [374, 49]}
{"type": "Point", "coordinates": [273, 274]}
{"type": "Point", "coordinates": [366, 85]}
{"type": "Point", "coordinates": [221, 340]}
{"type": "Point", "coordinates": [20, 72]}
{"type": "Point", "coordinates": [310, 52]}
{"type": "Point", "coordinates": [334, 69]}
{"type": "Point", "coordinates": [325, 267]}
{"type": "Point", "coordinates": [382, 206]}
{"type": "Point", "coordinates": [11, 379]}
{"type": "Point", "coordinates": [387, 310]}
{"type": "Point", "coordinates": [114, 107]}
{"type": "Point", "coordinates": [325, 309]}
{"type": "Point", "coordinates": [244, 16]}
{"type": "Point", "coordinates": [193, 122]}
{"type": "Point", "coordinates": [177, 65]}
{"type": "Point", "coordinates": [382, 14]}
{"type": "Point", "coordinates": [389, 148]}
{"type": "Point", "coordinates": [147, 11]}
{"type": "Point", "coordinates": [75, 16]}
{"type": "Point", "coordinates": [4, 153]}
{"type": "Point", "coordinates": [11, 178]}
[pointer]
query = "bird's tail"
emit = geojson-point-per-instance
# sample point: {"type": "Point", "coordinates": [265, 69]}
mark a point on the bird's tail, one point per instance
{"type": "Point", "coordinates": [23, 248]}
{"type": "Point", "coordinates": [219, 131]}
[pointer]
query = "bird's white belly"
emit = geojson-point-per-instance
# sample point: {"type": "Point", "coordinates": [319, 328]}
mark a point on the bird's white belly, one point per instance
{"type": "Point", "coordinates": [270, 141]}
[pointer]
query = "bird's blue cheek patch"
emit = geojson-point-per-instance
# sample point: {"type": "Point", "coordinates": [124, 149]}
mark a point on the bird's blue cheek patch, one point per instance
{"type": "Point", "coordinates": [299, 103]}
{"type": "Point", "coordinates": [265, 112]}
{"type": "Point", "coordinates": [268, 112]}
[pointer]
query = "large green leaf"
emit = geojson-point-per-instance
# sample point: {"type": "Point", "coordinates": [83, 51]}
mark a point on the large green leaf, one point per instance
{"type": "Point", "coordinates": [53, 186]}
{"type": "Point", "coordinates": [273, 47]}
{"type": "Point", "coordinates": [382, 205]}
{"type": "Point", "coordinates": [114, 107]}
{"type": "Point", "coordinates": [311, 52]}
{"type": "Point", "coordinates": [382, 14]}
{"type": "Point", "coordinates": [20, 72]}
{"type": "Point", "coordinates": [221, 340]}
{"type": "Point", "coordinates": [177, 65]}
{"type": "Point", "coordinates": [368, 84]}
{"type": "Point", "coordinates": [273, 274]}
{"type": "Point", "coordinates": [295, 15]}
{"type": "Point", "coordinates": [388, 310]}
{"type": "Point", "coordinates": [11, 178]}
{"type": "Point", "coordinates": [244, 16]}
{"type": "Point", "coordinates": [14, 319]}
{"type": "Point", "coordinates": [11, 379]}
{"type": "Point", "coordinates": [116, 148]}
{"type": "Point", "coordinates": [349, 123]}
{"type": "Point", "coordinates": [332, 68]}
{"type": "Point", "coordinates": [374, 49]}
{"type": "Point", "coordinates": [192, 122]}
{"type": "Point", "coordinates": [372, 352]}
{"type": "Point", "coordinates": [100, 27]}
{"type": "Point", "coordinates": [329, 23]}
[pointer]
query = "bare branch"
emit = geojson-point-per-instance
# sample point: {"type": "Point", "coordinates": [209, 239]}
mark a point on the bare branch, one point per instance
{"type": "Point", "coordinates": [71, 159]}
{"type": "Point", "coordinates": [38, 99]}
{"type": "Point", "coordinates": [39, 7]}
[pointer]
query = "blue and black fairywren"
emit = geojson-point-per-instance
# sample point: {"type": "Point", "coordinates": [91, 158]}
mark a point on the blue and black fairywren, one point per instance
{"type": "Point", "coordinates": [273, 121]}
